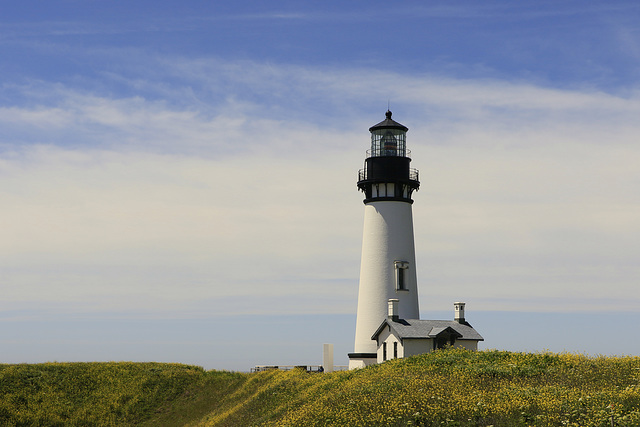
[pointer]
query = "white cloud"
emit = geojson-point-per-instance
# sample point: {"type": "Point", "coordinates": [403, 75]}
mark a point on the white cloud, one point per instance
{"type": "Point", "coordinates": [529, 194]}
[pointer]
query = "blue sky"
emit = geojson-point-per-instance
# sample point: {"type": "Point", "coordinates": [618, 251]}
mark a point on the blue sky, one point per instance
{"type": "Point", "coordinates": [177, 179]}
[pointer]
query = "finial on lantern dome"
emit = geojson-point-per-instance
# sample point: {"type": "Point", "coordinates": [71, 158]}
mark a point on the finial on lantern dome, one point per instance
{"type": "Point", "coordinates": [388, 114]}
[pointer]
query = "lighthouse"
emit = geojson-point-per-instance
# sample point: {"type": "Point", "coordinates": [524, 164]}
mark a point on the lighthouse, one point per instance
{"type": "Point", "coordinates": [388, 265]}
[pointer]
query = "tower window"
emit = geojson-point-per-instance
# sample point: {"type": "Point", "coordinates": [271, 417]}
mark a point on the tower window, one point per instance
{"type": "Point", "coordinates": [401, 281]}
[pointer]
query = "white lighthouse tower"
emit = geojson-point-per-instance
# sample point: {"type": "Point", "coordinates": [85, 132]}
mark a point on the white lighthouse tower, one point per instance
{"type": "Point", "coordinates": [388, 266]}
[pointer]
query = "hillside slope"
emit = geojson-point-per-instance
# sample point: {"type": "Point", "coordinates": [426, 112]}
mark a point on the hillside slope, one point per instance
{"type": "Point", "coordinates": [449, 387]}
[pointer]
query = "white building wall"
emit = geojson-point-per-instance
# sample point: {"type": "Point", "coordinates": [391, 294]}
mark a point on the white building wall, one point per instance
{"type": "Point", "coordinates": [390, 339]}
{"type": "Point", "coordinates": [467, 344]}
{"type": "Point", "coordinates": [387, 237]}
{"type": "Point", "coordinates": [414, 347]}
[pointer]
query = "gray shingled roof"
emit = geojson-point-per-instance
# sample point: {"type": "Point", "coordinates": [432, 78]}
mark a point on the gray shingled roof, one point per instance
{"type": "Point", "coordinates": [416, 328]}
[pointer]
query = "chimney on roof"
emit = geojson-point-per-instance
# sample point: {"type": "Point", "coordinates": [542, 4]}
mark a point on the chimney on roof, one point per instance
{"type": "Point", "coordinates": [393, 310]}
{"type": "Point", "coordinates": [459, 312]}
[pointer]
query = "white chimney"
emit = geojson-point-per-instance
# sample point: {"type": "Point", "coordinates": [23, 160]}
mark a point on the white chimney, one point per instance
{"type": "Point", "coordinates": [393, 310]}
{"type": "Point", "coordinates": [459, 312]}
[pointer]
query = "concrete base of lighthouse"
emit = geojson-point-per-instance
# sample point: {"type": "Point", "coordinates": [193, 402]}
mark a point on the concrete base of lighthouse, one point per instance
{"type": "Point", "coordinates": [361, 360]}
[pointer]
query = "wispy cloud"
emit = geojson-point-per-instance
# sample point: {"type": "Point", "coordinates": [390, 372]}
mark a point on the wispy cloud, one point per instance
{"type": "Point", "coordinates": [244, 189]}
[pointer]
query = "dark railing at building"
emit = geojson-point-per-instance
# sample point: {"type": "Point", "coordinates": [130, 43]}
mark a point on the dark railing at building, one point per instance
{"type": "Point", "coordinates": [394, 152]}
{"type": "Point", "coordinates": [413, 174]}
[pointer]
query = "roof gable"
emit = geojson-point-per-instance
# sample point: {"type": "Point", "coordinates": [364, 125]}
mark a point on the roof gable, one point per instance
{"type": "Point", "coordinates": [438, 331]}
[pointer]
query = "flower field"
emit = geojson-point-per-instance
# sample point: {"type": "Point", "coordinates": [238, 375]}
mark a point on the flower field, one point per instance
{"type": "Point", "coordinates": [461, 388]}
{"type": "Point", "coordinates": [449, 387]}
{"type": "Point", "coordinates": [453, 388]}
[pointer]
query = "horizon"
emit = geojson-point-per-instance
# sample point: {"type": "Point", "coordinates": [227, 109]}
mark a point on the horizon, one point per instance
{"type": "Point", "coordinates": [169, 169]}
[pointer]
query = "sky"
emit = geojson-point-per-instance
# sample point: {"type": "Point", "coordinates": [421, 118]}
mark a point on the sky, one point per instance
{"type": "Point", "coordinates": [178, 179]}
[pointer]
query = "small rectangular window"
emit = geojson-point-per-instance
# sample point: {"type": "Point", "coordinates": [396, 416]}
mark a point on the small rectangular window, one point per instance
{"type": "Point", "coordinates": [401, 280]}
{"type": "Point", "coordinates": [384, 351]}
{"type": "Point", "coordinates": [391, 189]}
{"type": "Point", "coordinates": [395, 349]}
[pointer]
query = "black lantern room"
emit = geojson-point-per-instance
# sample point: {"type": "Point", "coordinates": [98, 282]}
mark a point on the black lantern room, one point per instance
{"type": "Point", "coordinates": [386, 175]}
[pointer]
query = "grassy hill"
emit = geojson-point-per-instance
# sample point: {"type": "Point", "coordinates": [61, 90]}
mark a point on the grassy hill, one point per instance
{"type": "Point", "coordinates": [449, 387]}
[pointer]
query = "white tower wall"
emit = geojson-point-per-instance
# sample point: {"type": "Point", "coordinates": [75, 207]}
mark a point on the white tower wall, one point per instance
{"type": "Point", "coordinates": [387, 238]}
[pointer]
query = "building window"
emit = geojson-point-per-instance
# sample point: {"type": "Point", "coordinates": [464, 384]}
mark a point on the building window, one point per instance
{"type": "Point", "coordinates": [395, 349]}
{"type": "Point", "coordinates": [401, 280]}
{"type": "Point", "coordinates": [401, 286]}
{"type": "Point", "coordinates": [384, 351]}
{"type": "Point", "coordinates": [445, 340]}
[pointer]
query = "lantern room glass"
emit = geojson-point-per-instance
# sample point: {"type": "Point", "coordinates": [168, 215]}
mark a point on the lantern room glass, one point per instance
{"type": "Point", "coordinates": [388, 142]}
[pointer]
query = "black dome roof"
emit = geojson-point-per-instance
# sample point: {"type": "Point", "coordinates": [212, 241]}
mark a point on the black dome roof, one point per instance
{"type": "Point", "coordinates": [388, 123]}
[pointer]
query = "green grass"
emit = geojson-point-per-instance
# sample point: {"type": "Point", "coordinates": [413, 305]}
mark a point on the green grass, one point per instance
{"type": "Point", "coordinates": [449, 387]}
{"type": "Point", "coordinates": [86, 394]}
